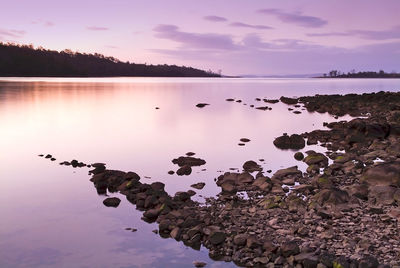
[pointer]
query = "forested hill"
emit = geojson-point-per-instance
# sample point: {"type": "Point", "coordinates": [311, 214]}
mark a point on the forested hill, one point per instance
{"type": "Point", "coordinates": [24, 60]}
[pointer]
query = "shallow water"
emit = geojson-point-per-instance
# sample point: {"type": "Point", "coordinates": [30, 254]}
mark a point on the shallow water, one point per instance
{"type": "Point", "coordinates": [52, 215]}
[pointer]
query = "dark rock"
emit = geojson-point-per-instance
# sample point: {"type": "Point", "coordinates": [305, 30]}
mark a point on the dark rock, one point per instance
{"type": "Point", "coordinates": [251, 166]}
{"type": "Point", "coordinates": [290, 248]}
{"type": "Point", "coordinates": [201, 105]}
{"type": "Point", "coordinates": [188, 161]}
{"type": "Point", "coordinates": [383, 175]}
{"type": "Point", "coordinates": [240, 239]}
{"type": "Point", "coordinates": [289, 101]}
{"type": "Point", "coordinates": [290, 142]}
{"type": "Point", "coordinates": [316, 159]}
{"type": "Point", "coordinates": [244, 140]}
{"type": "Point", "coordinates": [151, 214]}
{"type": "Point", "coordinates": [184, 170]}
{"type": "Point", "coordinates": [171, 172]}
{"type": "Point", "coordinates": [190, 154]}
{"type": "Point", "coordinates": [48, 156]}
{"type": "Point", "coordinates": [298, 156]}
{"type": "Point", "coordinates": [199, 185]}
{"type": "Point", "coordinates": [217, 237]}
{"type": "Point", "coordinates": [230, 99]}
{"type": "Point", "coordinates": [112, 202]}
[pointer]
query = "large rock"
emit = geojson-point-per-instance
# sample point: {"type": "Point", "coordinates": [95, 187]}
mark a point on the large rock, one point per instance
{"type": "Point", "coordinates": [185, 170]}
{"type": "Point", "coordinates": [251, 166]}
{"type": "Point", "coordinates": [217, 237]}
{"type": "Point", "coordinates": [316, 159]}
{"type": "Point", "coordinates": [385, 195]}
{"type": "Point", "coordinates": [384, 174]}
{"type": "Point", "coordinates": [331, 197]}
{"type": "Point", "coordinates": [294, 141]}
{"type": "Point", "coordinates": [290, 171]}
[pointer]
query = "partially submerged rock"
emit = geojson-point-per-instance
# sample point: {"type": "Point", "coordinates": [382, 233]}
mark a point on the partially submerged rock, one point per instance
{"type": "Point", "coordinates": [290, 142]}
{"type": "Point", "coordinates": [112, 202]}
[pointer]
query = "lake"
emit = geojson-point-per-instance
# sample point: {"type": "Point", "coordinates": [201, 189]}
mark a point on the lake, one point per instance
{"type": "Point", "coordinates": [52, 215]}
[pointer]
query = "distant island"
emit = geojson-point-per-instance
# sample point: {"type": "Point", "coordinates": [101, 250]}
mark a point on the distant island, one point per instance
{"type": "Point", "coordinates": [354, 74]}
{"type": "Point", "coordinates": [26, 61]}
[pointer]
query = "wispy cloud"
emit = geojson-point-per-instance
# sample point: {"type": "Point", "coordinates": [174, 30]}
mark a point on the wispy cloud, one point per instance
{"type": "Point", "coordinates": [9, 33]}
{"type": "Point", "coordinates": [195, 40]}
{"type": "Point", "coordinates": [254, 41]}
{"type": "Point", "coordinates": [46, 23]}
{"type": "Point", "coordinates": [393, 33]}
{"type": "Point", "coordinates": [245, 25]}
{"type": "Point", "coordinates": [294, 18]}
{"type": "Point", "coordinates": [97, 28]}
{"type": "Point", "coordinates": [215, 18]}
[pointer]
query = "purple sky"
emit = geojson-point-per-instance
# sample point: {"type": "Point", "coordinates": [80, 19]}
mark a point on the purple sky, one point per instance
{"type": "Point", "coordinates": [238, 37]}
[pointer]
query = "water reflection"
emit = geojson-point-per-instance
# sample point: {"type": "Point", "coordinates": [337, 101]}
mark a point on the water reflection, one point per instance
{"type": "Point", "coordinates": [53, 216]}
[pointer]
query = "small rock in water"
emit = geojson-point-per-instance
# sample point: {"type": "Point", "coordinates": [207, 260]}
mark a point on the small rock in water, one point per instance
{"type": "Point", "coordinates": [199, 264]}
{"type": "Point", "coordinates": [171, 172]}
{"type": "Point", "coordinates": [230, 99]}
{"type": "Point", "coordinates": [41, 155]}
{"type": "Point", "coordinates": [53, 159]}
{"type": "Point", "coordinates": [157, 108]}
{"type": "Point", "coordinates": [298, 156]}
{"type": "Point", "coordinates": [133, 230]}
{"type": "Point", "coordinates": [241, 144]}
{"type": "Point", "coordinates": [199, 185]}
{"type": "Point", "coordinates": [244, 140]}
{"type": "Point", "coordinates": [201, 105]}
{"type": "Point", "coordinates": [48, 156]}
{"type": "Point", "coordinates": [112, 202]}
{"type": "Point", "coordinates": [190, 153]}
{"type": "Point", "coordinates": [155, 231]}
{"type": "Point", "coordinates": [297, 112]}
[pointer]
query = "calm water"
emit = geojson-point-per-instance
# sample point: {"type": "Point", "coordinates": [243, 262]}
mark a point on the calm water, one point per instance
{"type": "Point", "coordinates": [51, 214]}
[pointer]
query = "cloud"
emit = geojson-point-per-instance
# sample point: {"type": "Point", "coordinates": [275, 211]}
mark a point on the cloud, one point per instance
{"type": "Point", "coordinates": [393, 33]}
{"type": "Point", "coordinates": [215, 18]}
{"type": "Point", "coordinates": [49, 23]}
{"type": "Point", "coordinates": [5, 33]}
{"type": "Point", "coordinates": [294, 18]}
{"type": "Point", "coordinates": [253, 41]}
{"type": "Point", "coordinates": [195, 40]}
{"type": "Point", "coordinates": [97, 28]}
{"type": "Point", "coordinates": [111, 46]}
{"type": "Point", "coordinates": [44, 23]}
{"type": "Point", "coordinates": [245, 25]}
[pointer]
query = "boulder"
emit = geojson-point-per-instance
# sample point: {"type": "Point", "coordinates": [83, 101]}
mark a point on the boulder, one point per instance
{"type": "Point", "coordinates": [384, 174]}
{"type": "Point", "coordinates": [217, 237]}
{"type": "Point", "coordinates": [185, 170]}
{"type": "Point", "coordinates": [251, 166]}
{"type": "Point", "coordinates": [316, 159]}
{"type": "Point", "coordinates": [291, 171]}
{"type": "Point", "coordinates": [333, 197]}
{"type": "Point", "coordinates": [294, 141]}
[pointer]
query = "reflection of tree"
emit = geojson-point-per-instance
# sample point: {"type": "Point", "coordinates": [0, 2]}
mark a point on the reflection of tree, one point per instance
{"type": "Point", "coordinates": [25, 60]}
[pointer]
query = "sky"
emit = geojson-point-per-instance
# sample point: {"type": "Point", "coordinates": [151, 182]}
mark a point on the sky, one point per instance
{"type": "Point", "coordinates": [238, 37]}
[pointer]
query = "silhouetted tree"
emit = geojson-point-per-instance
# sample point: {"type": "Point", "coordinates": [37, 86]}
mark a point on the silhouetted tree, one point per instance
{"type": "Point", "coordinates": [24, 60]}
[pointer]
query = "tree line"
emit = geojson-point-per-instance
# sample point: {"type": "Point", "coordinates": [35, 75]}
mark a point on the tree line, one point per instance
{"type": "Point", "coordinates": [25, 60]}
{"type": "Point", "coordinates": [354, 74]}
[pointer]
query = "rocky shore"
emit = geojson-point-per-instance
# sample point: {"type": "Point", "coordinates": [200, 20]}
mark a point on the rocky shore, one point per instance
{"type": "Point", "coordinates": [342, 212]}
